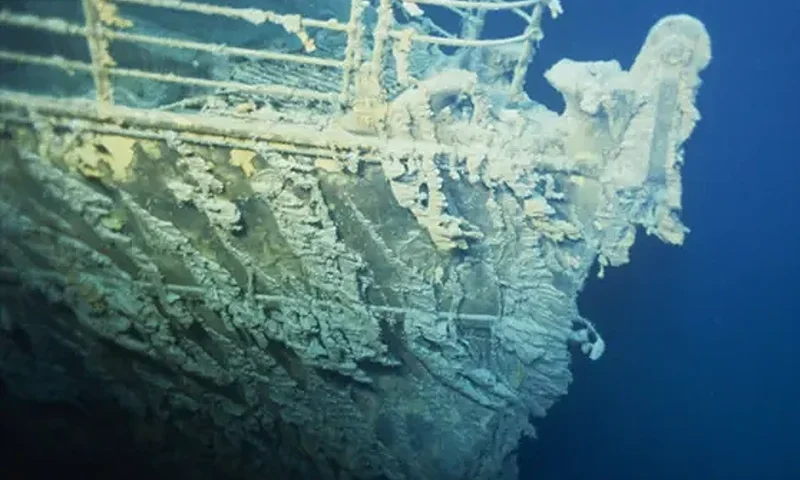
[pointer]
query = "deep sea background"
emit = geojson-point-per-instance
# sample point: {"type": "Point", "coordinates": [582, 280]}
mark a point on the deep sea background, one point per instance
{"type": "Point", "coordinates": [701, 377]}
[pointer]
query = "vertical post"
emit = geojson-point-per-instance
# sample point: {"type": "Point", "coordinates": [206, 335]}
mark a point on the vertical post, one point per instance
{"type": "Point", "coordinates": [533, 33]}
{"type": "Point", "coordinates": [472, 29]}
{"type": "Point", "coordinates": [352, 53]}
{"type": "Point", "coordinates": [98, 49]}
{"type": "Point", "coordinates": [472, 25]}
{"type": "Point", "coordinates": [369, 106]}
{"type": "Point", "coordinates": [382, 28]}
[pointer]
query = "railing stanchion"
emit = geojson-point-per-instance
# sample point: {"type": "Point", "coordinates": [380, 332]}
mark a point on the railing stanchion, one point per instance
{"type": "Point", "coordinates": [98, 49]}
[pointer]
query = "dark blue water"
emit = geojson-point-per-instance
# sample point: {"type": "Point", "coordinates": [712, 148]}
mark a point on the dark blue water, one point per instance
{"type": "Point", "coordinates": [701, 379]}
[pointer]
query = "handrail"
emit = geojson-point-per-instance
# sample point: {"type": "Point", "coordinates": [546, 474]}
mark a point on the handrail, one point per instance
{"type": "Point", "coordinates": [476, 5]}
{"type": "Point", "coordinates": [76, 65]}
{"type": "Point", "coordinates": [104, 25]}
{"type": "Point", "coordinates": [64, 27]}
{"type": "Point", "coordinates": [255, 16]}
